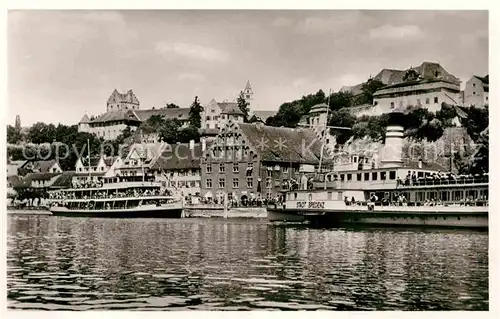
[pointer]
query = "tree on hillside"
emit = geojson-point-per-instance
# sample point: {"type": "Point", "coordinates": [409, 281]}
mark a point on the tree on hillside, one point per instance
{"type": "Point", "coordinates": [339, 100]}
{"type": "Point", "coordinates": [171, 106]}
{"type": "Point", "coordinates": [195, 113]}
{"type": "Point", "coordinates": [290, 113]}
{"type": "Point", "coordinates": [14, 135]}
{"type": "Point", "coordinates": [169, 132]}
{"type": "Point", "coordinates": [243, 106]}
{"type": "Point", "coordinates": [342, 118]}
{"type": "Point", "coordinates": [253, 119]}
{"type": "Point", "coordinates": [477, 121]}
{"type": "Point", "coordinates": [152, 124]}
{"type": "Point", "coordinates": [42, 133]}
{"type": "Point", "coordinates": [368, 89]}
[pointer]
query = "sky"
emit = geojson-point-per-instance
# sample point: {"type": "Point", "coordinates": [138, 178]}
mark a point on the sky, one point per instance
{"type": "Point", "coordinates": [64, 64]}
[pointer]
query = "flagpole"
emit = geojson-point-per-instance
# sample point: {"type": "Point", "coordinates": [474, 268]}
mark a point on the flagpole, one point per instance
{"type": "Point", "coordinates": [88, 148]}
{"type": "Point", "coordinates": [326, 127]}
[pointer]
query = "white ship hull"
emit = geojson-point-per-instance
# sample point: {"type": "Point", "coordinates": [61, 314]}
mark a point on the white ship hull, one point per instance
{"type": "Point", "coordinates": [146, 211]}
{"type": "Point", "coordinates": [455, 216]}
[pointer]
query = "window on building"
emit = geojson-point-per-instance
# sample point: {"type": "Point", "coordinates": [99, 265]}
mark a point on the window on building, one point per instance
{"type": "Point", "coordinates": [208, 118]}
{"type": "Point", "coordinates": [375, 103]}
{"type": "Point", "coordinates": [249, 182]}
{"type": "Point", "coordinates": [392, 175]}
{"type": "Point", "coordinates": [247, 96]}
{"type": "Point", "coordinates": [329, 196]}
{"type": "Point", "coordinates": [209, 183]}
{"type": "Point", "coordinates": [236, 183]}
{"type": "Point", "coordinates": [374, 176]}
{"type": "Point", "coordinates": [473, 93]}
{"type": "Point", "coordinates": [349, 177]}
{"type": "Point", "coordinates": [236, 168]}
{"type": "Point", "coordinates": [367, 176]}
{"type": "Point", "coordinates": [392, 105]}
{"type": "Point", "coordinates": [80, 169]}
{"type": "Point", "coordinates": [222, 183]}
{"type": "Point", "coordinates": [436, 100]}
{"type": "Point", "coordinates": [209, 169]}
{"type": "Point", "coordinates": [269, 172]}
{"type": "Point", "coordinates": [359, 176]}
{"type": "Point", "coordinates": [285, 169]}
{"type": "Point", "coordinates": [383, 176]}
{"type": "Point", "coordinates": [427, 101]}
{"type": "Point", "coordinates": [486, 98]}
{"type": "Point", "coordinates": [473, 84]}
{"type": "Point", "coordinates": [268, 183]}
{"type": "Point", "coordinates": [221, 167]}
{"type": "Point", "coordinates": [342, 177]}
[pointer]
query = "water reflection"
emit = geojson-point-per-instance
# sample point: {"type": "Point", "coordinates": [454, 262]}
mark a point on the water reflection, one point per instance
{"type": "Point", "coordinates": [83, 264]}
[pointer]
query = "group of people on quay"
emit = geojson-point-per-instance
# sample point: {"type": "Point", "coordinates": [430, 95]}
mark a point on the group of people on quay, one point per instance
{"type": "Point", "coordinates": [437, 178]}
{"type": "Point", "coordinates": [234, 203]}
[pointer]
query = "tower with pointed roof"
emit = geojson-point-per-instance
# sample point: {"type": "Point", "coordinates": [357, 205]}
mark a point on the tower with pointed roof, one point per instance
{"type": "Point", "coordinates": [83, 125]}
{"type": "Point", "coordinates": [248, 94]}
{"type": "Point", "coordinates": [122, 101]}
{"type": "Point", "coordinates": [18, 122]}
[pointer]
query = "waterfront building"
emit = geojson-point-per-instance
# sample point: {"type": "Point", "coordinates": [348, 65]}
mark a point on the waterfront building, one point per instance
{"type": "Point", "coordinates": [139, 160]}
{"type": "Point", "coordinates": [178, 167]}
{"type": "Point", "coordinates": [45, 166]}
{"type": "Point", "coordinates": [95, 169]}
{"type": "Point", "coordinates": [476, 91]}
{"type": "Point", "coordinates": [250, 161]}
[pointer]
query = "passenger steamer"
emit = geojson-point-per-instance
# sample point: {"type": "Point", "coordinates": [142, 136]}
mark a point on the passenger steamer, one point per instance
{"type": "Point", "coordinates": [415, 194]}
{"type": "Point", "coordinates": [115, 197]}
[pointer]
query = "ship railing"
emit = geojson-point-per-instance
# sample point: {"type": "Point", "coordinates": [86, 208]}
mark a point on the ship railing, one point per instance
{"type": "Point", "coordinates": [419, 203]}
{"type": "Point", "coordinates": [443, 181]}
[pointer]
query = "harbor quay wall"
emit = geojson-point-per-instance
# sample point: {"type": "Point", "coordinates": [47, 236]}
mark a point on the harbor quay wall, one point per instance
{"type": "Point", "coordinates": [215, 211]}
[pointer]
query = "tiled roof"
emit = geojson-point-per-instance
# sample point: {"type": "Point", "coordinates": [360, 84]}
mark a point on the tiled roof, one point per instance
{"type": "Point", "coordinates": [85, 119]}
{"type": "Point", "coordinates": [427, 70]}
{"type": "Point", "coordinates": [389, 76]}
{"type": "Point", "coordinates": [120, 115]}
{"type": "Point", "coordinates": [150, 151]}
{"type": "Point", "coordinates": [128, 97]}
{"type": "Point", "coordinates": [354, 89]}
{"type": "Point", "coordinates": [64, 180]}
{"type": "Point", "coordinates": [248, 87]}
{"type": "Point", "coordinates": [230, 108]}
{"type": "Point", "coordinates": [319, 108]}
{"type": "Point", "coordinates": [93, 161]}
{"type": "Point", "coordinates": [42, 166]}
{"type": "Point", "coordinates": [26, 181]}
{"type": "Point", "coordinates": [179, 156]}
{"type": "Point", "coordinates": [410, 83]}
{"type": "Point", "coordinates": [181, 114]}
{"type": "Point", "coordinates": [484, 79]}
{"type": "Point", "coordinates": [280, 144]}
{"type": "Point", "coordinates": [110, 160]}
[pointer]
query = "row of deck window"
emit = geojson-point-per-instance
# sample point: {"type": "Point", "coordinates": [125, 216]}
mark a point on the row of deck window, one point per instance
{"type": "Point", "coordinates": [391, 175]}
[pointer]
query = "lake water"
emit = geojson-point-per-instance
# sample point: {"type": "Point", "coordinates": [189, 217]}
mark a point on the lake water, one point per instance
{"type": "Point", "coordinates": [59, 263]}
